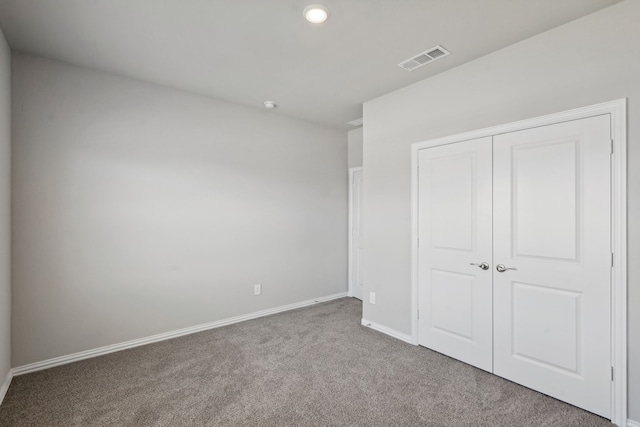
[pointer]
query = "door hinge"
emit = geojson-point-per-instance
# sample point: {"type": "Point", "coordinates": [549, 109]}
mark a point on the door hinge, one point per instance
{"type": "Point", "coordinates": [611, 259]}
{"type": "Point", "coordinates": [612, 379]}
{"type": "Point", "coordinates": [612, 146]}
{"type": "Point", "coordinates": [418, 314]}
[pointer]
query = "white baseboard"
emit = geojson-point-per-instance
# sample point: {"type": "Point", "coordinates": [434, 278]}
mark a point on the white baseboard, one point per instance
{"type": "Point", "coordinates": [631, 423]}
{"type": "Point", "coordinates": [388, 331]}
{"type": "Point", "coordinates": [5, 385]}
{"type": "Point", "coordinates": [63, 360]}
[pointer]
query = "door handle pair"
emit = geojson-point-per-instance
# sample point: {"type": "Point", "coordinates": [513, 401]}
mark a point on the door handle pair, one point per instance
{"type": "Point", "coordinates": [501, 268]}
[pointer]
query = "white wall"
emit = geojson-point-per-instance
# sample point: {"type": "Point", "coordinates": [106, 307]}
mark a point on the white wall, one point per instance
{"type": "Point", "coordinates": [5, 209]}
{"type": "Point", "coordinates": [355, 142]}
{"type": "Point", "coordinates": [591, 60]}
{"type": "Point", "coordinates": [140, 210]}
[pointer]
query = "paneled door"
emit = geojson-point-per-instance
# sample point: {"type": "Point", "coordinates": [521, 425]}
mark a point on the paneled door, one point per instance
{"type": "Point", "coordinates": [356, 238]}
{"type": "Point", "coordinates": [514, 257]}
{"type": "Point", "coordinates": [552, 250]}
{"type": "Point", "coordinates": [455, 274]}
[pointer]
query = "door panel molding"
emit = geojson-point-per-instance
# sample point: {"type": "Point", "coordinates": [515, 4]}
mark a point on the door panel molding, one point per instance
{"type": "Point", "coordinates": [455, 235]}
{"type": "Point", "coordinates": [617, 113]}
{"type": "Point", "coordinates": [552, 200]}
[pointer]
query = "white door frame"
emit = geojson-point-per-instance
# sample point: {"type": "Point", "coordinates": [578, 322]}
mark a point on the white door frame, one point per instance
{"type": "Point", "coordinates": [351, 260]}
{"type": "Point", "coordinates": [618, 111]}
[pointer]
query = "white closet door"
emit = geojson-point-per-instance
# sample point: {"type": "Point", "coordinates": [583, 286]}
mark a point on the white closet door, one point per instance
{"type": "Point", "coordinates": [356, 284]}
{"type": "Point", "coordinates": [455, 231]}
{"type": "Point", "coordinates": [552, 227]}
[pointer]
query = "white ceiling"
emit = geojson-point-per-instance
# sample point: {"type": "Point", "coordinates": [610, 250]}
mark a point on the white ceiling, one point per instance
{"type": "Point", "coordinates": [250, 51]}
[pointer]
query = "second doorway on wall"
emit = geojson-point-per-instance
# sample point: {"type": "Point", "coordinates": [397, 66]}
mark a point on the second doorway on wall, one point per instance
{"type": "Point", "coordinates": [355, 233]}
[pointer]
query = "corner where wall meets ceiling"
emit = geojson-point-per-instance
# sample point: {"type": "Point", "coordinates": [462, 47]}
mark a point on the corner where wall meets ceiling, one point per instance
{"type": "Point", "coordinates": [249, 52]}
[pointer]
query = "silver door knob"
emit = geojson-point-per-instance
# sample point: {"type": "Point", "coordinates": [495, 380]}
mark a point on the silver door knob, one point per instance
{"type": "Point", "coordinates": [501, 268]}
{"type": "Point", "coordinates": [482, 265]}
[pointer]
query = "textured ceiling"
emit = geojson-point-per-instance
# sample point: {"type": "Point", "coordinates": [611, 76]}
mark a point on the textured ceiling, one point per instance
{"type": "Point", "coordinates": [250, 51]}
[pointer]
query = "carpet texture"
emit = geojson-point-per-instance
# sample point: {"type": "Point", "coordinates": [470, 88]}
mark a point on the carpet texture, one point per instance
{"type": "Point", "coordinates": [314, 366]}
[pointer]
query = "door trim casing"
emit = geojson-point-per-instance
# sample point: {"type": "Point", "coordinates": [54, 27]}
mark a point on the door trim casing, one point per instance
{"type": "Point", "coordinates": [351, 260]}
{"type": "Point", "coordinates": [618, 113]}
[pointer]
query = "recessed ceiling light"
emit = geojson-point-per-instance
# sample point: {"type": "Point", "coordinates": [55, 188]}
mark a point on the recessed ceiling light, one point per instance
{"type": "Point", "coordinates": [316, 13]}
{"type": "Point", "coordinates": [269, 105]}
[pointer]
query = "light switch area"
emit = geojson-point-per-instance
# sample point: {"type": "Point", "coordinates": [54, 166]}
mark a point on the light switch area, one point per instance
{"type": "Point", "coordinates": [372, 297]}
{"type": "Point", "coordinates": [257, 289]}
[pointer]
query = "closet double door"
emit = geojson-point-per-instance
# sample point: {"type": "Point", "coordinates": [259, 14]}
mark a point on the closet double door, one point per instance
{"type": "Point", "coordinates": [514, 257]}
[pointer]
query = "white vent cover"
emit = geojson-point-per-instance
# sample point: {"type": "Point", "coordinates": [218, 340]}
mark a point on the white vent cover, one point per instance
{"type": "Point", "coordinates": [356, 122]}
{"type": "Point", "coordinates": [424, 58]}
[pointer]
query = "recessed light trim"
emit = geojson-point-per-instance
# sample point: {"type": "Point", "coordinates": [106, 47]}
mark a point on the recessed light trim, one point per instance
{"type": "Point", "coordinates": [269, 105]}
{"type": "Point", "coordinates": [316, 13]}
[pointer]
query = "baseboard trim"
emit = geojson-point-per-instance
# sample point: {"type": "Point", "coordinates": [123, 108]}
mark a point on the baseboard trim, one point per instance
{"type": "Point", "coordinates": [4, 387]}
{"type": "Point", "coordinates": [63, 360]}
{"type": "Point", "coordinates": [632, 423]}
{"type": "Point", "coordinates": [388, 331]}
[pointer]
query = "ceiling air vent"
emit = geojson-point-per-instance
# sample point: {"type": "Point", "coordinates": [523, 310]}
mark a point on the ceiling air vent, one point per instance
{"type": "Point", "coordinates": [424, 58]}
{"type": "Point", "coordinates": [356, 122]}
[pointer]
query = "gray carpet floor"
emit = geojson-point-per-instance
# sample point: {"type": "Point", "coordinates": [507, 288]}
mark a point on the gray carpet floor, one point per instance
{"type": "Point", "coordinates": [314, 366]}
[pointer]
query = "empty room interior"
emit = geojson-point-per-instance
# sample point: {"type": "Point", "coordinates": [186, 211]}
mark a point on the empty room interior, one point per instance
{"type": "Point", "coordinates": [323, 212]}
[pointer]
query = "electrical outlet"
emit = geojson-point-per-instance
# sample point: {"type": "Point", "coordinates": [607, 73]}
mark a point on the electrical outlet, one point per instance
{"type": "Point", "coordinates": [257, 289]}
{"type": "Point", "coordinates": [372, 297]}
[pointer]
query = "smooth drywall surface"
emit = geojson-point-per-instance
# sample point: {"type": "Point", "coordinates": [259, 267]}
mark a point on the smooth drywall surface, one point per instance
{"type": "Point", "coordinates": [591, 60]}
{"type": "Point", "coordinates": [5, 208]}
{"type": "Point", "coordinates": [354, 141]}
{"type": "Point", "coordinates": [140, 210]}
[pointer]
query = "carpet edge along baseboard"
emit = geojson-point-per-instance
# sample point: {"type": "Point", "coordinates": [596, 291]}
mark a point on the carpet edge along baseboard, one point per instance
{"type": "Point", "coordinates": [4, 387]}
{"type": "Point", "coordinates": [386, 330]}
{"type": "Point", "coordinates": [100, 351]}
